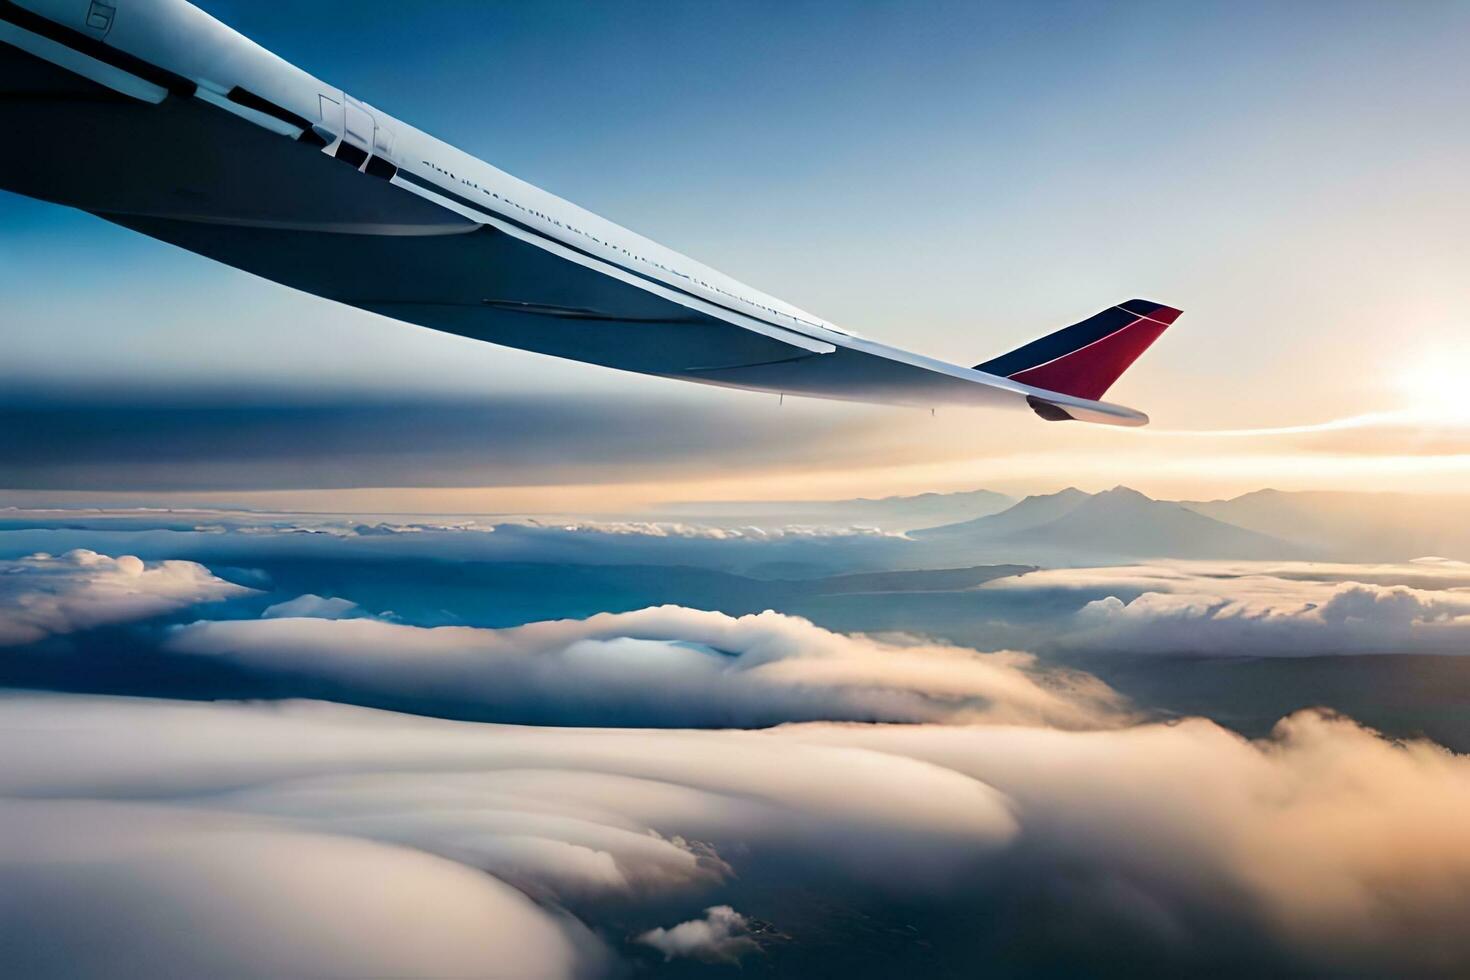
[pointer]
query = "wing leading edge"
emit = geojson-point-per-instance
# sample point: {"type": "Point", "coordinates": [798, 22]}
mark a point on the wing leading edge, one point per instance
{"type": "Point", "coordinates": [218, 146]}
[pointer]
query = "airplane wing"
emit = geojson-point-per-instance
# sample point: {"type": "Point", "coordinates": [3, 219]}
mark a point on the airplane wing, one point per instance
{"type": "Point", "coordinates": [155, 116]}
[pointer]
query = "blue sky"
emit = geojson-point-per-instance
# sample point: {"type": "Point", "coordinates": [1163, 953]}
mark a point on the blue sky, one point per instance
{"type": "Point", "coordinates": [952, 178]}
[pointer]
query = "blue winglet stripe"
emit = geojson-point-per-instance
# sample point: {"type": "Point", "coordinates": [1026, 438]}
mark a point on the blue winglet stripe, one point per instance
{"type": "Point", "coordinates": [1064, 341]}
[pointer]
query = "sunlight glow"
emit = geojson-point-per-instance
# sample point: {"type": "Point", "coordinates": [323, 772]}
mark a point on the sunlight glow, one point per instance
{"type": "Point", "coordinates": [1433, 385]}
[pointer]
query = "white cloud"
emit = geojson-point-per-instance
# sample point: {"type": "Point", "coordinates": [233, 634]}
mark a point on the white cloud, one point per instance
{"type": "Point", "coordinates": [666, 666]}
{"type": "Point", "coordinates": [1428, 573]}
{"type": "Point", "coordinates": [1324, 849]}
{"type": "Point", "coordinates": [680, 529]}
{"type": "Point", "coordinates": [1263, 608]}
{"type": "Point", "coordinates": [351, 766]}
{"type": "Point", "coordinates": [43, 595]}
{"type": "Point", "coordinates": [1350, 848]}
{"type": "Point", "coordinates": [312, 606]}
{"type": "Point", "coordinates": [96, 888]}
{"type": "Point", "coordinates": [722, 936]}
{"type": "Point", "coordinates": [346, 527]}
{"type": "Point", "coordinates": [815, 550]}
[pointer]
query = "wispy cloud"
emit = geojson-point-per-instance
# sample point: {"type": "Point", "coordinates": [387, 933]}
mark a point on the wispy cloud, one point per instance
{"type": "Point", "coordinates": [1422, 432]}
{"type": "Point", "coordinates": [1366, 420]}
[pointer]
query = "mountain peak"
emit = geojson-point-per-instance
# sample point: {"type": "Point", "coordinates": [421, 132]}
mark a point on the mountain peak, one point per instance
{"type": "Point", "coordinates": [1121, 492]}
{"type": "Point", "coordinates": [1115, 525]}
{"type": "Point", "coordinates": [1068, 493]}
{"type": "Point", "coordinates": [1033, 511]}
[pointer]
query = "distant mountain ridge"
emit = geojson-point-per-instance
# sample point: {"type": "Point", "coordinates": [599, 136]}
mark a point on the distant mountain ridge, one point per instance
{"type": "Point", "coordinates": [897, 513]}
{"type": "Point", "coordinates": [1118, 524]}
{"type": "Point", "coordinates": [1122, 524]}
{"type": "Point", "coordinates": [1350, 525]}
{"type": "Point", "coordinates": [1032, 511]}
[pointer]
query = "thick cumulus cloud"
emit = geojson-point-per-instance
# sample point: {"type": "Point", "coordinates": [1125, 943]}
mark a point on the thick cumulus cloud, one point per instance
{"type": "Point", "coordinates": [345, 836]}
{"type": "Point", "coordinates": [43, 595]}
{"type": "Point", "coordinates": [721, 936]}
{"type": "Point", "coordinates": [659, 667]}
{"type": "Point", "coordinates": [1260, 608]}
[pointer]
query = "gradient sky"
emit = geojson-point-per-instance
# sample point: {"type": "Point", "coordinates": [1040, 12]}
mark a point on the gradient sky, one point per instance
{"type": "Point", "coordinates": [952, 178]}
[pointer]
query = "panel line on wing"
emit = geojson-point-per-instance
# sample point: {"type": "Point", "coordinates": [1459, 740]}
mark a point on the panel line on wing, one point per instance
{"type": "Point", "coordinates": [94, 49]}
{"type": "Point", "coordinates": [487, 213]}
{"type": "Point", "coordinates": [529, 235]}
{"type": "Point", "coordinates": [72, 60]}
{"type": "Point", "coordinates": [741, 367]}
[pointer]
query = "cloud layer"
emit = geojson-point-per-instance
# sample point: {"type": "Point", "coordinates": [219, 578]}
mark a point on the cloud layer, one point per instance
{"type": "Point", "coordinates": [96, 888]}
{"type": "Point", "coordinates": [661, 667]}
{"type": "Point", "coordinates": [240, 540]}
{"type": "Point", "coordinates": [1264, 609]}
{"type": "Point", "coordinates": [1170, 848]}
{"type": "Point", "coordinates": [1022, 822]}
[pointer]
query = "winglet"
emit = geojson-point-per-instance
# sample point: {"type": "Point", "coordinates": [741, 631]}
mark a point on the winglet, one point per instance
{"type": "Point", "coordinates": [1085, 359]}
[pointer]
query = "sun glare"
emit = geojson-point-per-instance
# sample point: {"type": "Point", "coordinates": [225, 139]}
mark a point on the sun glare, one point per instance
{"type": "Point", "coordinates": [1434, 385]}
